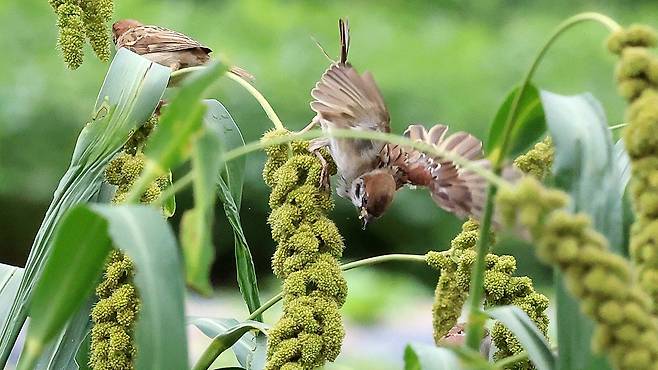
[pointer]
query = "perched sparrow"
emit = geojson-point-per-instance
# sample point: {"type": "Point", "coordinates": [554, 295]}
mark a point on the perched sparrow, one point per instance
{"type": "Point", "coordinates": [371, 171]}
{"type": "Point", "coordinates": [163, 46]}
{"type": "Point", "coordinates": [457, 337]}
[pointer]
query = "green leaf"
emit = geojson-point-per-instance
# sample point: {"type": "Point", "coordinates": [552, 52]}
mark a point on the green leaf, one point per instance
{"type": "Point", "coordinates": [196, 227]}
{"type": "Point", "coordinates": [10, 278]}
{"type": "Point", "coordinates": [249, 348]}
{"type": "Point", "coordinates": [531, 338]}
{"type": "Point", "coordinates": [64, 351]}
{"type": "Point", "coordinates": [530, 123]}
{"type": "Point", "coordinates": [78, 255]}
{"type": "Point", "coordinates": [131, 90]}
{"type": "Point", "coordinates": [82, 354]}
{"type": "Point", "coordinates": [623, 166]}
{"type": "Point", "coordinates": [79, 250]}
{"type": "Point", "coordinates": [229, 188]}
{"type": "Point", "coordinates": [142, 233]}
{"type": "Point", "coordinates": [425, 357]}
{"type": "Point", "coordinates": [170, 143]}
{"type": "Point", "coordinates": [586, 167]}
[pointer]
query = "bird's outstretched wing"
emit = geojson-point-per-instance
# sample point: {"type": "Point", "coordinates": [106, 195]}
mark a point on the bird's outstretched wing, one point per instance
{"type": "Point", "coordinates": [345, 99]}
{"type": "Point", "coordinates": [154, 39]}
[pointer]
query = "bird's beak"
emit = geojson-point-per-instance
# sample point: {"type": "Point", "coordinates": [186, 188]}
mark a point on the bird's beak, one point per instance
{"type": "Point", "coordinates": [364, 217]}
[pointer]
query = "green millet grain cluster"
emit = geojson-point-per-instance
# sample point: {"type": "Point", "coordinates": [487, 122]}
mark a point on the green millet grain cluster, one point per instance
{"type": "Point", "coordinates": [115, 313]}
{"type": "Point", "coordinates": [537, 161]}
{"type": "Point", "coordinates": [310, 332]}
{"type": "Point", "coordinates": [637, 78]}
{"type": "Point", "coordinates": [500, 288]}
{"type": "Point", "coordinates": [77, 19]}
{"type": "Point", "coordinates": [602, 281]}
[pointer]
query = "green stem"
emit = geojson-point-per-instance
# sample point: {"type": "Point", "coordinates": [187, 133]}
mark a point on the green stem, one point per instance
{"type": "Point", "coordinates": [372, 135]}
{"type": "Point", "coordinates": [271, 114]}
{"type": "Point", "coordinates": [561, 28]}
{"type": "Point", "coordinates": [615, 127]}
{"type": "Point", "coordinates": [346, 267]}
{"type": "Point", "coordinates": [177, 186]}
{"type": "Point", "coordinates": [476, 317]}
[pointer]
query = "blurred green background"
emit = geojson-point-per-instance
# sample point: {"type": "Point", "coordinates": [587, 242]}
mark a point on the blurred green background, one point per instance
{"type": "Point", "coordinates": [448, 62]}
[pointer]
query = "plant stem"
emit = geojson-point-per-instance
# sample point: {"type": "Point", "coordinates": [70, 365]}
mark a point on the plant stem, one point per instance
{"type": "Point", "coordinates": [345, 267]}
{"type": "Point", "coordinates": [373, 135]}
{"type": "Point", "coordinates": [177, 186]}
{"type": "Point", "coordinates": [476, 318]}
{"type": "Point", "coordinates": [615, 127]}
{"type": "Point", "coordinates": [271, 114]}
{"type": "Point", "coordinates": [561, 28]}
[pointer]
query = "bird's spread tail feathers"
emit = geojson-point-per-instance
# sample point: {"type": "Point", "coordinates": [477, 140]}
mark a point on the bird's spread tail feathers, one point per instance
{"type": "Point", "coordinates": [344, 30]}
{"type": "Point", "coordinates": [453, 187]}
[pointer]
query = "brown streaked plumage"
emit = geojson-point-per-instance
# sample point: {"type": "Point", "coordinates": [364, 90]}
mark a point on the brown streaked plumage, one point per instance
{"type": "Point", "coordinates": [163, 46]}
{"type": "Point", "coordinates": [371, 171]}
{"type": "Point", "coordinates": [456, 337]}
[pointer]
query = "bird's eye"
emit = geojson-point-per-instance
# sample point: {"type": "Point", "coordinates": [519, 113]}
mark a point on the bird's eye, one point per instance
{"type": "Point", "coordinates": [357, 191]}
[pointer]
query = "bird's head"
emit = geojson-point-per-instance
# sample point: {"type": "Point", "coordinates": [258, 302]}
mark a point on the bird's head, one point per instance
{"type": "Point", "coordinates": [372, 193]}
{"type": "Point", "coordinates": [120, 27]}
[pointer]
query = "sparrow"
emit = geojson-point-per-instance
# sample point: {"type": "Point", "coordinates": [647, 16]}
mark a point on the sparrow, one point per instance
{"type": "Point", "coordinates": [456, 337]}
{"type": "Point", "coordinates": [370, 172]}
{"type": "Point", "coordinates": [163, 46]}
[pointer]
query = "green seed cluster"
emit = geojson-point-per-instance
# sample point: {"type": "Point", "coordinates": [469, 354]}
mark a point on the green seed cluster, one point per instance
{"type": "Point", "coordinates": [114, 316]}
{"type": "Point", "coordinates": [310, 332]}
{"type": "Point", "coordinates": [637, 77]}
{"type": "Point", "coordinates": [80, 18]}
{"type": "Point", "coordinates": [537, 161]}
{"type": "Point", "coordinates": [500, 287]}
{"type": "Point", "coordinates": [601, 280]}
{"type": "Point", "coordinates": [115, 313]}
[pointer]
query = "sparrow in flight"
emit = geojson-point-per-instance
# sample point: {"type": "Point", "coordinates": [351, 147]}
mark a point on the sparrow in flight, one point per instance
{"type": "Point", "coordinates": [370, 172]}
{"type": "Point", "coordinates": [163, 46]}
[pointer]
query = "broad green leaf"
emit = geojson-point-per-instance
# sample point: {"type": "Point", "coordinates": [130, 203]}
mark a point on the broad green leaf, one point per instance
{"type": "Point", "coordinates": [170, 143]}
{"type": "Point", "coordinates": [586, 164]}
{"type": "Point", "coordinates": [532, 340]}
{"type": "Point", "coordinates": [82, 354]}
{"type": "Point", "coordinates": [249, 348]}
{"type": "Point", "coordinates": [196, 228]}
{"type": "Point", "coordinates": [586, 167]}
{"type": "Point", "coordinates": [64, 351]}
{"type": "Point", "coordinates": [79, 249]}
{"type": "Point", "coordinates": [425, 357]}
{"type": "Point", "coordinates": [623, 166]}
{"type": "Point", "coordinates": [10, 279]}
{"type": "Point", "coordinates": [143, 234]}
{"type": "Point", "coordinates": [131, 90]}
{"type": "Point", "coordinates": [529, 127]}
{"type": "Point", "coordinates": [229, 188]}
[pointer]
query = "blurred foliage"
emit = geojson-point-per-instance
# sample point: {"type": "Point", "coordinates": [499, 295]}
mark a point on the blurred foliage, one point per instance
{"type": "Point", "coordinates": [435, 61]}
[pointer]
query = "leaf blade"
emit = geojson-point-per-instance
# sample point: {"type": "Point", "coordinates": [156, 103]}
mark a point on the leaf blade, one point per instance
{"type": "Point", "coordinates": [229, 189]}
{"type": "Point", "coordinates": [529, 127]}
{"type": "Point", "coordinates": [531, 338]}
